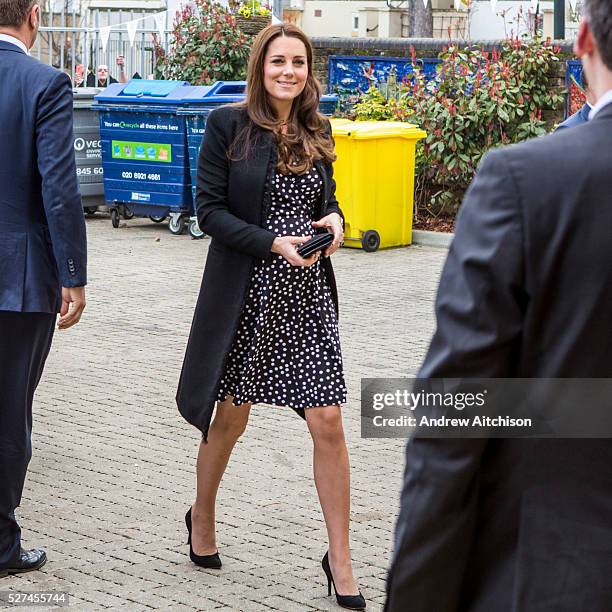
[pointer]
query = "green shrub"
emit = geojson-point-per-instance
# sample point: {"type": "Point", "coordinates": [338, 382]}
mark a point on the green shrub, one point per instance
{"type": "Point", "coordinates": [477, 100]}
{"type": "Point", "coordinates": [206, 46]}
{"type": "Point", "coordinates": [373, 106]}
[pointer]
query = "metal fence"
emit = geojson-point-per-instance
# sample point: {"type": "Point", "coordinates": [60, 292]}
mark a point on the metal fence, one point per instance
{"type": "Point", "coordinates": [70, 37]}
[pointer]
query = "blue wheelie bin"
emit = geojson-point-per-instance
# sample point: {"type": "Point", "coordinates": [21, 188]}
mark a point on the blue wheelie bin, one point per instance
{"type": "Point", "coordinates": [328, 104]}
{"type": "Point", "coordinates": [198, 102]}
{"type": "Point", "coordinates": [144, 151]}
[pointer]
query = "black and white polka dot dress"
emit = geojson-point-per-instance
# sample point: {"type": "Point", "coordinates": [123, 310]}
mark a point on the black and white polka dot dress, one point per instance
{"type": "Point", "coordinates": [286, 351]}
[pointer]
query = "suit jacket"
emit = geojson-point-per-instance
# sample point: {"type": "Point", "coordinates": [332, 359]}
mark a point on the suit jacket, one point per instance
{"type": "Point", "coordinates": [232, 200]}
{"type": "Point", "coordinates": [578, 118]}
{"type": "Point", "coordinates": [42, 229]}
{"type": "Point", "coordinates": [518, 525]}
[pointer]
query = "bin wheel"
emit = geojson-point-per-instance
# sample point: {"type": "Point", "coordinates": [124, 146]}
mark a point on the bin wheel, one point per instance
{"type": "Point", "coordinates": [90, 211]}
{"type": "Point", "coordinates": [370, 241]}
{"type": "Point", "coordinates": [114, 213]}
{"type": "Point", "coordinates": [128, 213]}
{"type": "Point", "coordinates": [158, 218]}
{"type": "Point", "coordinates": [176, 225]}
{"type": "Point", "coordinates": [194, 230]}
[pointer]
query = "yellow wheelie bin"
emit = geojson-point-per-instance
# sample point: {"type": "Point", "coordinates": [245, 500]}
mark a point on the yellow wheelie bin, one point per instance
{"type": "Point", "coordinates": [374, 174]}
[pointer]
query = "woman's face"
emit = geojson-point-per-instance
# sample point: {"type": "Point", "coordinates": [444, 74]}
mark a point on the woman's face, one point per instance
{"type": "Point", "coordinates": [285, 69]}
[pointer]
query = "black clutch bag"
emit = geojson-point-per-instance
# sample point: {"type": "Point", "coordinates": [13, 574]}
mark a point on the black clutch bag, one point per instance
{"type": "Point", "coordinates": [316, 243]}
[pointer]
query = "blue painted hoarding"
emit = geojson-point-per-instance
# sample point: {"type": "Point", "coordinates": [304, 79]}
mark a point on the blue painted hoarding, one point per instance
{"type": "Point", "coordinates": [348, 75]}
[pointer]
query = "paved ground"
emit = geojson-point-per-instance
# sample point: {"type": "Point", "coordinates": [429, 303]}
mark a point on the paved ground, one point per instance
{"type": "Point", "coordinates": [113, 467]}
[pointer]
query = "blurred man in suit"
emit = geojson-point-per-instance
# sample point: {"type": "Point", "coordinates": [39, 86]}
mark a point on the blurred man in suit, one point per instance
{"type": "Point", "coordinates": [42, 249]}
{"type": "Point", "coordinates": [521, 524]}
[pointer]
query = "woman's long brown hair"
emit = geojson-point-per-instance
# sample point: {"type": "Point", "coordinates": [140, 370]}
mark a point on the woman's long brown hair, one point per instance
{"type": "Point", "coordinates": [307, 138]}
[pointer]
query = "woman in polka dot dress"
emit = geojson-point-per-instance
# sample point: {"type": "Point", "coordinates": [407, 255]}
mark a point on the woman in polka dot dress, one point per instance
{"type": "Point", "coordinates": [265, 328]}
{"type": "Point", "coordinates": [287, 351]}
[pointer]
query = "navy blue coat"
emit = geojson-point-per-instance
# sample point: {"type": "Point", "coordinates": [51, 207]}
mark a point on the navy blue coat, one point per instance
{"type": "Point", "coordinates": [42, 228]}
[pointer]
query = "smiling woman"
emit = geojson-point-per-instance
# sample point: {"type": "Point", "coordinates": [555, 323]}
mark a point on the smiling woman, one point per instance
{"type": "Point", "coordinates": [283, 97]}
{"type": "Point", "coordinates": [265, 328]}
{"type": "Point", "coordinates": [285, 73]}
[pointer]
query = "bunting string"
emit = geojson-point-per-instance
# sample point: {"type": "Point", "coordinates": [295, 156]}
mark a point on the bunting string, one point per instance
{"type": "Point", "coordinates": [132, 28]}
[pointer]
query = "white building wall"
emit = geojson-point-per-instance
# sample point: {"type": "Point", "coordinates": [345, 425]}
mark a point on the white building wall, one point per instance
{"type": "Point", "coordinates": [337, 16]}
{"type": "Point", "coordinates": [488, 24]}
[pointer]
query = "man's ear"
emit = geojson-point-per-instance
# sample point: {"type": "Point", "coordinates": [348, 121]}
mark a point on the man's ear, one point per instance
{"type": "Point", "coordinates": [34, 16]}
{"type": "Point", "coordinates": [585, 43]}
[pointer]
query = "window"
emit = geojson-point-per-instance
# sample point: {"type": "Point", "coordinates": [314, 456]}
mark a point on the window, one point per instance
{"type": "Point", "coordinates": [355, 21]}
{"type": "Point", "coordinates": [318, 12]}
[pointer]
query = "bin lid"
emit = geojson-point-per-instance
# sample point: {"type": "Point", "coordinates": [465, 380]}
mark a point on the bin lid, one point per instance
{"type": "Point", "coordinates": [228, 88]}
{"type": "Point", "coordinates": [224, 92]}
{"type": "Point", "coordinates": [140, 90]}
{"type": "Point", "coordinates": [86, 93]}
{"type": "Point", "coordinates": [195, 93]}
{"type": "Point", "coordinates": [370, 130]}
{"type": "Point", "coordinates": [336, 122]}
{"type": "Point", "coordinates": [329, 98]}
{"type": "Point", "coordinates": [83, 97]}
{"type": "Point", "coordinates": [220, 92]}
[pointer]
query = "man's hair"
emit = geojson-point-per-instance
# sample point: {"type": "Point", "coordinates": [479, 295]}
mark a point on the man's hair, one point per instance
{"type": "Point", "coordinates": [599, 15]}
{"type": "Point", "coordinates": [14, 12]}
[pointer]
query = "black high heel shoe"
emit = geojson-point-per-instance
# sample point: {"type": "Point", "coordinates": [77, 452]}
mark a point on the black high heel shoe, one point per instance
{"type": "Point", "coordinates": [210, 561]}
{"type": "Point", "coordinates": [352, 602]}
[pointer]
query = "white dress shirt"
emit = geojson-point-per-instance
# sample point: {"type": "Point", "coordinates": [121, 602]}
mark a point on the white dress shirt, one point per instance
{"type": "Point", "coordinates": [14, 41]}
{"type": "Point", "coordinates": [603, 101]}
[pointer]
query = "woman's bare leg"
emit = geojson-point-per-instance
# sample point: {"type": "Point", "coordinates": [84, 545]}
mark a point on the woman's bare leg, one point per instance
{"type": "Point", "coordinates": [332, 479]}
{"type": "Point", "coordinates": [227, 426]}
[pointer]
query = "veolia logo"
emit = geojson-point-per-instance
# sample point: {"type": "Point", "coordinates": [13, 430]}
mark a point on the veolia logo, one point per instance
{"type": "Point", "coordinates": [81, 143]}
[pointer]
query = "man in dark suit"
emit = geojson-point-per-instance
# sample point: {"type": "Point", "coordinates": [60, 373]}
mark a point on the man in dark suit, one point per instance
{"type": "Point", "coordinates": [42, 249]}
{"type": "Point", "coordinates": [521, 524]}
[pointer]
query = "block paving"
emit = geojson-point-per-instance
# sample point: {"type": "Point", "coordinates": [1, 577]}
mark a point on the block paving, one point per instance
{"type": "Point", "coordinates": [113, 469]}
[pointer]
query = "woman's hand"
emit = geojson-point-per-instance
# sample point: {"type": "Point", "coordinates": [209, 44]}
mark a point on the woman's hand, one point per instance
{"type": "Point", "coordinates": [287, 247]}
{"type": "Point", "coordinates": [333, 223]}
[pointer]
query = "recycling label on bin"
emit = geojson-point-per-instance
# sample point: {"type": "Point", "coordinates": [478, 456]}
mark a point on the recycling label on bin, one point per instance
{"type": "Point", "coordinates": [145, 151]}
{"type": "Point", "coordinates": [141, 125]}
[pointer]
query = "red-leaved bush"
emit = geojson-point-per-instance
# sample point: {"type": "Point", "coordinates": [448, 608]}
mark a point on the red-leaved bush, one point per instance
{"type": "Point", "coordinates": [206, 46]}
